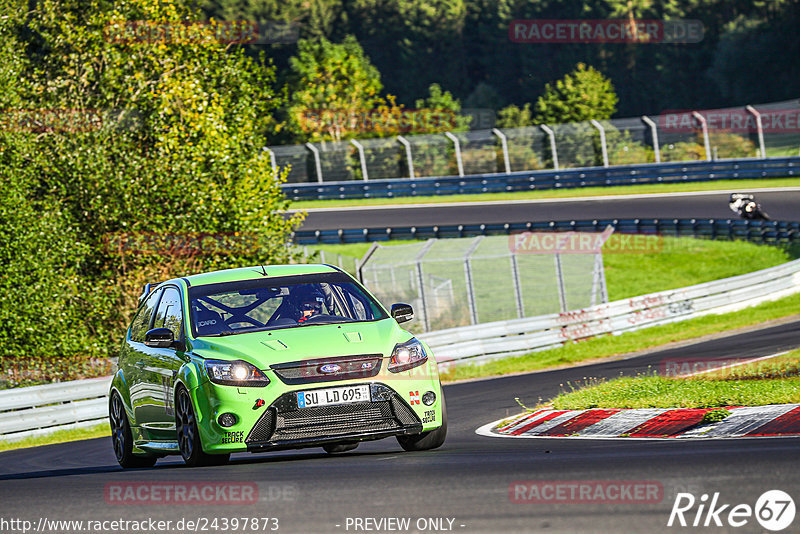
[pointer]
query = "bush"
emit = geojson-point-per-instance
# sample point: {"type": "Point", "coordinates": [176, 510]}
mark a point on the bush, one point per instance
{"type": "Point", "coordinates": [92, 212]}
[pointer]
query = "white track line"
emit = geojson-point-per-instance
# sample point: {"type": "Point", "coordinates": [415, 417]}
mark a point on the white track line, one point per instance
{"type": "Point", "coordinates": [743, 362]}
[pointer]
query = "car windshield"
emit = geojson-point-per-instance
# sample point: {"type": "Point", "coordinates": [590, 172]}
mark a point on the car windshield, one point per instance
{"type": "Point", "coordinates": [287, 302]}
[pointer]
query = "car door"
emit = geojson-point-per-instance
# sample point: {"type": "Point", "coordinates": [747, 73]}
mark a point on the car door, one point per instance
{"type": "Point", "coordinates": [164, 363]}
{"type": "Point", "coordinates": [136, 359]}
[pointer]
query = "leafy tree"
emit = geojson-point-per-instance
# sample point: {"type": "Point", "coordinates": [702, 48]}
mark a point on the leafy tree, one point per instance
{"type": "Point", "coordinates": [161, 138]}
{"type": "Point", "coordinates": [515, 117]}
{"type": "Point", "coordinates": [334, 87]}
{"type": "Point", "coordinates": [579, 96]}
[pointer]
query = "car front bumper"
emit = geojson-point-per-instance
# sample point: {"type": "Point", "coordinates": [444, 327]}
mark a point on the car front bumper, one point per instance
{"type": "Point", "coordinates": [275, 422]}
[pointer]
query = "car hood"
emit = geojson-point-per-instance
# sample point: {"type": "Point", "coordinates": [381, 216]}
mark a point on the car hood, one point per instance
{"type": "Point", "coordinates": [265, 349]}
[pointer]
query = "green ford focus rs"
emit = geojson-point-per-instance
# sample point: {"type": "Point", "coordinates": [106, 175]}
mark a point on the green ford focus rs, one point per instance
{"type": "Point", "coordinates": [269, 358]}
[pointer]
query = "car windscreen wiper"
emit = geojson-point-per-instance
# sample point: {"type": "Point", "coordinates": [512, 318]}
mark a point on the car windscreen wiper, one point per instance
{"type": "Point", "coordinates": [222, 333]}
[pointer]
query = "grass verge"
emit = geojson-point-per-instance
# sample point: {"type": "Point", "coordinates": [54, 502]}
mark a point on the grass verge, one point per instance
{"type": "Point", "coordinates": [734, 185]}
{"type": "Point", "coordinates": [59, 436]}
{"type": "Point", "coordinates": [607, 346]}
{"type": "Point", "coordinates": [752, 385]}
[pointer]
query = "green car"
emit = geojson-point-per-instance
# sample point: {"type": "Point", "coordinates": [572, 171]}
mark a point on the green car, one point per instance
{"type": "Point", "coordinates": [269, 358]}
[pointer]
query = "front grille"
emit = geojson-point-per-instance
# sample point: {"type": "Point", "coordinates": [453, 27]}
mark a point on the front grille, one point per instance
{"type": "Point", "coordinates": [285, 422]}
{"type": "Point", "coordinates": [328, 369]}
{"type": "Point", "coordinates": [264, 428]}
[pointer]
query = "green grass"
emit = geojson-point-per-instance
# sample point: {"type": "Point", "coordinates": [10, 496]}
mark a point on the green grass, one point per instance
{"type": "Point", "coordinates": [773, 381]}
{"type": "Point", "coordinates": [683, 262]}
{"type": "Point", "coordinates": [60, 436]}
{"type": "Point", "coordinates": [734, 185]}
{"type": "Point", "coordinates": [661, 392]}
{"type": "Point", "coordinates": [649, 338]}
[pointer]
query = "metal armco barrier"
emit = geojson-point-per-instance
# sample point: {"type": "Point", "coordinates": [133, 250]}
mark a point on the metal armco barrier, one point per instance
{"type": "Point", "coordinates": [41, 409]}
{"type": "Point", "coordinates": [36, 410]}
{"type": "Point", "coordinates": [491, 341]}
{"type": "Point", "coordinates": [769, 232]}
{"type": "Point", "coordinates": [686, 171]}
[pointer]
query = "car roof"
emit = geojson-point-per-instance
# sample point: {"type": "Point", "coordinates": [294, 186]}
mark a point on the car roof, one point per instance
{"type": "Point", "coordinates": [254, 273]}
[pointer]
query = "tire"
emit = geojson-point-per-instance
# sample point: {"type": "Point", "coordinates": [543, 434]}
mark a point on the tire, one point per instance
{"type": "Point", "coordinates": [188, 435]}
{"type": "Point", "coordinates": [122, 439]}
{"type": "Point", "coordinates": [335, 448]}
{"type": "Point", "coordinates": [425, 441]}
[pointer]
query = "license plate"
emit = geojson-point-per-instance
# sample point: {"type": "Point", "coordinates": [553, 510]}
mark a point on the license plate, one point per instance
{"type": "Point", "coordinates": [324, 397]}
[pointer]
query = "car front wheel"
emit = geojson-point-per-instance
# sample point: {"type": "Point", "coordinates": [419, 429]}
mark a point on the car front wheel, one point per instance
{"type": "Point", "coordinates": [122, 439]}
{"type": "Point", "coordinates": [188, 435]}
{"type": "Point", "coordinates": [431, 439]}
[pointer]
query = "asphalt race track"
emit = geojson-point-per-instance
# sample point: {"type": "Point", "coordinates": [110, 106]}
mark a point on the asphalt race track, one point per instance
{"type": "Point", "coordinates": [466, 481]}
{"type": "Point", "coordinates": [779, 205]}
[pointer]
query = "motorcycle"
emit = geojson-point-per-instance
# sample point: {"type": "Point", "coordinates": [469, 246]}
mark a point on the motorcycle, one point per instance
{"type": "Point", "coordinates": [746, 207]}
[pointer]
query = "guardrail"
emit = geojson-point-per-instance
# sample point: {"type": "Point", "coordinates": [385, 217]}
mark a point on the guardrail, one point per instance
{"type": "Point", "coordinates": [768, 232]}
{"type": "Point", "coordinates": [686, 171]}
{"type": "Point", "coordinates": [39, 410]}
{"type": "Point", "coordinates": [36, 410]}
{"type": "Point", "coordinates": [490, 341]}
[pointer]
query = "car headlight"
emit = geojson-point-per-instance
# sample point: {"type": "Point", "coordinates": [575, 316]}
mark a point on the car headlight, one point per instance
{"type": "Point", "coordinates": [238, 373]}
{"type": "Point", "coordinates": [407, 355]}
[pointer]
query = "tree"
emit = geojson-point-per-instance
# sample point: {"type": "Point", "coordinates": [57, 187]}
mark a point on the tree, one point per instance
{"type": "Point", "coordinates": [440, 112]}
{"type": "Point", "coordinates": [333, 89]}
{"type": "Point", "coordinates": [118, 139]}
{"type": "Point", "coordinates": [515, 117]}
{"type": "Point", "coordinates": [582, 95]}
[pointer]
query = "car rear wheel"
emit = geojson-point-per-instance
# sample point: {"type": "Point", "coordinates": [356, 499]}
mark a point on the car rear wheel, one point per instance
{"type": "Point", "coordinates": [122, 439]}
{"type": "Point", "coordinates": [426, 440]}
{"type": "Point", "coordinates": [188, 435]}
{"type": "Point", "coordinates": [334, 448]}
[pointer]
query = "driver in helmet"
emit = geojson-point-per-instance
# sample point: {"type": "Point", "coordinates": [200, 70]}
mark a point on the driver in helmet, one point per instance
{"type": "Point", "coordinates": [310, 303]}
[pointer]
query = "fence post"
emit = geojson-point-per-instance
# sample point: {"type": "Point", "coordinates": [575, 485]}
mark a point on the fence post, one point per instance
{"type": "Point", "coordinates": [759, 129]}
{"type": "Point", "coordinates": [603, 147]}
{"type": "Point", "coordinates": [473, 309]}
{"type": "Point", "coordinates": [421, 281]}
{"type": "Point", "coordinates": [551, 134]}
{"type": "Point", "coordinates": [457, 146]}
{"type": "Point", "coordinates": [517, 286]}
{"type": "Point", "coordinates": [363, 261]}
{"type": "Point", "coordinates": [504, 143]}
{"type": "Point", "coordinates": [562, 294]}
{"type": "Point", "coordinates": [317, 165]}
{"type": "Point", "coordinates": [654, 133]}
{"type": "Point", "coordinates": [361, 158]}
{"type": "Point", "coordinates": [403, 141]}
{"type": "Point", "coordinates": [704, 126]}
{"type": "Point", "coordinates": [599, 281]}
{"type": "Point", "coordinates": [272, 160]}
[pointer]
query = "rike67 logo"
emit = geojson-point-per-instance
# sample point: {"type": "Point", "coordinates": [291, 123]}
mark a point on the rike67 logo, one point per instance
{"type": "Point", "coordinates": [774, 511]}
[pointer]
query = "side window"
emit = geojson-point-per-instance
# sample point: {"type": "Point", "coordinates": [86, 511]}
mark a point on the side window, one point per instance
{"type": "Point", "coordinates": [141, 322]}
{"type": "Point", "coordinates": [169, 313]}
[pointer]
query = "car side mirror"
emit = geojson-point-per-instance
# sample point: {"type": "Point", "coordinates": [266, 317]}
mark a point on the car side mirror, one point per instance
{"type": "Point", "coordinates": [402, 312]}
{"type": "Point", "coordinates": [160, 338]}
